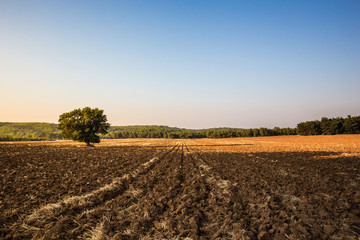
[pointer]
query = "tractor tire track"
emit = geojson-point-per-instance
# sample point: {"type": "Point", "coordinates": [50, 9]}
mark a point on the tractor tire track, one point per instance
{"type": "Point", "coordinates": [225, 209]}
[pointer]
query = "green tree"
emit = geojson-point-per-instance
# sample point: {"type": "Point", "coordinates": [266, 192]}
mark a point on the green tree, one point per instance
{"type": "Point", "coordinates": [309, 128]}
{"type": "Point", "coordinates": [352, 125]}
{"type": "Point", "coordinates": [326, 126]}
{"type": "Point", "coordinates": [83, 125]}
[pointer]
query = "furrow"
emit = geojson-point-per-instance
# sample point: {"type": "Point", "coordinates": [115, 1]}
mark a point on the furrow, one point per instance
{"type": "Point", "coordinates": [224, 208]}
{"type": "Point", "coordinates": [89, 201]}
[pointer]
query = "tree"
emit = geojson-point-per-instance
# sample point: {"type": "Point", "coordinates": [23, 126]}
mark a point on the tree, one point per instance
{"type": "Point", "coordinates": [326, 126]}
{"type": "Point", "coordinates": [309, 128]}
{"type": "Point", "coordinates": [352, 125]}
{"type": "Point", "coordinates": [83, 125]}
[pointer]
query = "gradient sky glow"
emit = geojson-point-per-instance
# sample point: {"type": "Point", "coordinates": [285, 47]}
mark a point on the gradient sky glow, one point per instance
{"type": "Point", "coordinates": [192, 64]}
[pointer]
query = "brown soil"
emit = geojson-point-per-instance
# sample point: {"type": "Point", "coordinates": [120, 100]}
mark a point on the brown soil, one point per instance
{"type": "Point", "coordinates": [247, 188]}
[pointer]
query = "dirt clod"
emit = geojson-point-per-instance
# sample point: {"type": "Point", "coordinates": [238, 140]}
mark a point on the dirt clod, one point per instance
{"type": "Point", "coordinates": [247, 188]}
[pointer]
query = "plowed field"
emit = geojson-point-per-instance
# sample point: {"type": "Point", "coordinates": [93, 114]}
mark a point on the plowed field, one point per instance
{"type": "Point", "coordinates": [247, 188]}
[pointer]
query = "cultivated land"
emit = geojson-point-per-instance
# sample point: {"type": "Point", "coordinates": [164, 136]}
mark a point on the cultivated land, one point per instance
{"type": "Point", "coordinates": [288, 187]}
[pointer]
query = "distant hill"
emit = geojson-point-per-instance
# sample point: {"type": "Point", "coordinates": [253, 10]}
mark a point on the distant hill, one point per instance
{"type": "Point", "coordinates": [34, 131]}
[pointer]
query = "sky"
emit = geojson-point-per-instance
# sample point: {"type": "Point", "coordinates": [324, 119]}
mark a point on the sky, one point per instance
{"type": "Point", "coordinates": [189, 64]}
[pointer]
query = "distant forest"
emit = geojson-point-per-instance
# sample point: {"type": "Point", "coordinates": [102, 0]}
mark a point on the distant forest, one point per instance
{"type": "Point", "coordinates": [330, 126]}
{"type": "Point", "coordinates": [49, 131]}
{"type": "Point", "coordinates": [32, 131]}
{"type": "Point", "coordinates": [170, 132]}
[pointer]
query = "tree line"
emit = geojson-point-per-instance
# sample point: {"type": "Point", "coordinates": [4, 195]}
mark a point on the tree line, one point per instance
{"type": "Point", "coordinates": [330, 126]}
{"type": "Point", "coordinates": [49, 131]}
{"type": "Point", "coordinates": [29, 131]}
{"type": "Point", "coordinates": [173, 133]}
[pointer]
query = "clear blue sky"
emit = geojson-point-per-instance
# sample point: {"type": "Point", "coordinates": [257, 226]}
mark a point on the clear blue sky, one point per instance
{"type": "Point", "coordinates": [193, 64]}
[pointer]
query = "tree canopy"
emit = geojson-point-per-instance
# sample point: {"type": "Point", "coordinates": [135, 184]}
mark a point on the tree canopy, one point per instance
{"type": "Point", "coordinates": [83, 125]}
{"type": "Point", "coordinates": [330, 126]}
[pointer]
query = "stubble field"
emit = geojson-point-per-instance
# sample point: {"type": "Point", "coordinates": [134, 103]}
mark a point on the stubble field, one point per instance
{"type": "Point", "coordinates": [288, 187]}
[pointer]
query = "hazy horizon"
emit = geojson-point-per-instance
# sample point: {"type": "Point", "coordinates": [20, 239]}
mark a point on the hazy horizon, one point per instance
{"type": "Point", "coordinates": [190, 128]}
{"type": "Point", "coordinates": [196, 65]}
